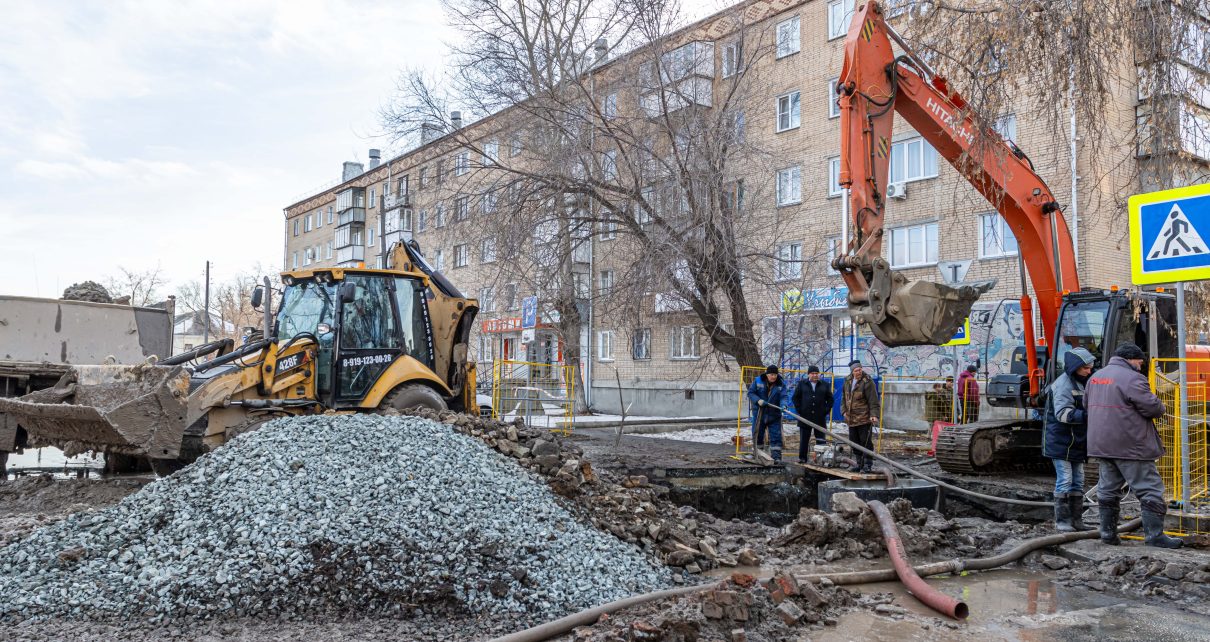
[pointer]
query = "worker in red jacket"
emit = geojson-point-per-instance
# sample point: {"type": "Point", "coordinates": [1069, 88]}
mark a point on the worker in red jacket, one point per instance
{"type": "Point", "coordinates": [968, 395]}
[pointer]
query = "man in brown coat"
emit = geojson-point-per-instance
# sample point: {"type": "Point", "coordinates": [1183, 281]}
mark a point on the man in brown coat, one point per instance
{"type": "Point", "coordinates": [861, 407]}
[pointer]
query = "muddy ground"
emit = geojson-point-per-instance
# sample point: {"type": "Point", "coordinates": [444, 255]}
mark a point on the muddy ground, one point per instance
{"type": "Point", "coordinates": [1083, 591]}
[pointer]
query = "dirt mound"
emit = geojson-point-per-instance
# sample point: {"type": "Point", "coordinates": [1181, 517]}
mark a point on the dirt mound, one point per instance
{"type": "Point", "coordinates": [90, 291]}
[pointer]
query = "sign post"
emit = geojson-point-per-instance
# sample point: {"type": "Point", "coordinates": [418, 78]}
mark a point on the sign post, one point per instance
{"type": "Point", "coordinates": [529, 319]}
{"type": "Point", "coordinates": [1167, 245]}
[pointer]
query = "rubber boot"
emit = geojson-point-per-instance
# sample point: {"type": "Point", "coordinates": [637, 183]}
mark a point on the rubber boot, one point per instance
{"type": "Point", "coordinates": [1109, 524]}
{"type": "Point", "coordinates": [1075, 505]}
{"type": "Point", "coordinates": [1153, 527]}
{"type": "Point", "coordinates": [858, 462]}
{"type": "Point", "coordinates": [1063, 514]}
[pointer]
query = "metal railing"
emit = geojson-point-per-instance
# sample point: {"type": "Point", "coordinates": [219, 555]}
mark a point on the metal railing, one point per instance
{"type": "Point", "coordinates": [542, 394]}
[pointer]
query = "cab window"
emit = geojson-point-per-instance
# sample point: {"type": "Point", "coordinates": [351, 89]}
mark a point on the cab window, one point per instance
{"type": "Point", "coordinates": [1082, 326]}
{"type": "Point", "coordinates": [367, 322]}
{"type": "Point", "coordinates": [413, 319]}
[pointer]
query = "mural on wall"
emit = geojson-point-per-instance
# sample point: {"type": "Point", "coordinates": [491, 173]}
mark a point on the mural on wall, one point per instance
{"type": "Point", "coordinates": [815, 338]}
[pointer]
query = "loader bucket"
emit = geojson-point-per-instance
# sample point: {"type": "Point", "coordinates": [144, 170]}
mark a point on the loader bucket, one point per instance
{"type": "Point", "coordinates": [133, 410]}
{"type": "Point", "coordinates": [926, 313]}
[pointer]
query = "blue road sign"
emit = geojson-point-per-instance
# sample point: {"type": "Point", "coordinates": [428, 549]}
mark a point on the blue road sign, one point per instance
{"type": "Point", "coordinates": [963, 336]}
{"type": "Point", "coordinates": [529, 312]}
{"type": "Point", "coordinates": [1168, 232]}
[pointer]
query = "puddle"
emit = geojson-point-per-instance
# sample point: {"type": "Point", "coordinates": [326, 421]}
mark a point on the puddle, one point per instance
{"type": "Point", "coordinates": [1015, 605]}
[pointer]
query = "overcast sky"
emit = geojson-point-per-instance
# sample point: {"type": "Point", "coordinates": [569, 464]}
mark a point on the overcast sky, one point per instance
{"type": "Point", "coordinates": [164, 134]}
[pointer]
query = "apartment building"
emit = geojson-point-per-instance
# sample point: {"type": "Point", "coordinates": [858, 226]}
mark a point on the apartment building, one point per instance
{"type": "Point", "coordinates": [436, 194]}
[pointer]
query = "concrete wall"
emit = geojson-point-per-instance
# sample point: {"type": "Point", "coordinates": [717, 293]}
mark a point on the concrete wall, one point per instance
{"type": "Point", "coordinates": [77, 332]}
{"type": "Point", "coordinates": [656, 398]}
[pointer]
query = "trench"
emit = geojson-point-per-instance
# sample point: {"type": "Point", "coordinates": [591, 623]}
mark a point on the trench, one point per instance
{"type": "Point", "coordinates": [773, 505]}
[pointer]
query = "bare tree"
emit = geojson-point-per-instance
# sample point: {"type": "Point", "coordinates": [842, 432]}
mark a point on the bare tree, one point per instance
{"type": "Point", "coordinates": [230, 303]}
{"type": "Point", "coordinates": [637, 163]}
{"type": "Point", "coordinates": [140, 288]}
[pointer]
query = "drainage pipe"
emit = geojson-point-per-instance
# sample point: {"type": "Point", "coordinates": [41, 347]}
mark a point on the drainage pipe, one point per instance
{"type": "Point", "coordinates": [910, 471]}
{"type": "Point", "coordinates": [590, 616]}
{"type": "Point", "coordinates": [920, 589]}
{"type": "Point", "coordinates": [953, 567]}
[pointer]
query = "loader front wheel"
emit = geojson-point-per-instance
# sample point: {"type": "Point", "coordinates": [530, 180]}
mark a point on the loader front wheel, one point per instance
{"type": "Point", "coordinates": [191, 449]}
{"type": "Point", "coordinates": [410, 396]}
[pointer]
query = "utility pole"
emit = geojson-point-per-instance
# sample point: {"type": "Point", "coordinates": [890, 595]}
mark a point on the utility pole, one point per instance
{"type": "Point", "coordinates": [206, 305]}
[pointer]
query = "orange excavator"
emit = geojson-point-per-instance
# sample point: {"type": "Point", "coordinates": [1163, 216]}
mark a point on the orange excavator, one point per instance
{"type": "Point", "coordinates": [876, 83]}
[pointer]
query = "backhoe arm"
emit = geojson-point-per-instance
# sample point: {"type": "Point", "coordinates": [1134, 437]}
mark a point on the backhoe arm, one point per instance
{"type": "Point", "coordinates": [875, 84]}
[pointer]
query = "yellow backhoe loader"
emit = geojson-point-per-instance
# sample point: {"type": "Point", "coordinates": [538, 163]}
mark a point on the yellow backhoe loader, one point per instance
{"type": "Point", "coordinates": [343, 338]}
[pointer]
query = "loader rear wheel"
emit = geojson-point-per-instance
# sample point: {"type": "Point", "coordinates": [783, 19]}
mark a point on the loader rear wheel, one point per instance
{"type": "Point", "coordinates": [412, 395]}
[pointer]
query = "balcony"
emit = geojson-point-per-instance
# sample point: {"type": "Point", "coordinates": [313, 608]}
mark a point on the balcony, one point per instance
{"type": "Point", "coordinates": [686, 78]}
{"type": "Point", "coordinates": [350, 256]}
{"type": "Point", "coordinates": [391, 201]}
{"type": "Point", "coordinates": [353, 197]}
{"type": "Point", "coordinates": [350, 235]}
{"type": "Point", "coordinates": [351, 216]}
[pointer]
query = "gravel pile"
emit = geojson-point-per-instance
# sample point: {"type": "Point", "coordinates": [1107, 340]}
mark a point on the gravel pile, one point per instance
{"type": "Point", "coordinates": [327, 514]}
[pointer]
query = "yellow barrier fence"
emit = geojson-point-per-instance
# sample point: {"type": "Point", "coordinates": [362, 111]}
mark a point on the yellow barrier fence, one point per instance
{"type": "Point", "coordinates": [1183, 433]}
{"type": "Point", "coordinates": [542, 394]}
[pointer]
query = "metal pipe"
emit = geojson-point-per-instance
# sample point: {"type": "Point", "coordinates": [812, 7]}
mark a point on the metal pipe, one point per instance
{"type": "Point", "coordinates": [919, 589]}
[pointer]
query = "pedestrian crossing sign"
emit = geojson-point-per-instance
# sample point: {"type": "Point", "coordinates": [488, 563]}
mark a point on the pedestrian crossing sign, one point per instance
{"type": "Point", "coordinates": [963, 336]}
{"type": "Point", "coordinates": [1168, 232]}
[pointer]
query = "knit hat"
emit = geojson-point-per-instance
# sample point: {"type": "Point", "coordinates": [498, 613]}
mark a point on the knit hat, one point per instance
{"type": "Point", "coordinates": [855, 362]}
{"type": "Point", "coordinates": [771, 370]}
{"type": "Point", "coordinates": [972, 368]}
{"type": "Point", "coordinates": [1129, 351]}
{"type": "Point", "coordinates": [812, 369]}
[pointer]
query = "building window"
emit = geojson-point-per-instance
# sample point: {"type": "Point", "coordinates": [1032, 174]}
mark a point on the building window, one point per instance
{"type": "Point", "coordinates": [789, 261]}
{"type": "Point", "coordinates": [515, 146]}
{"type": "Point", "coordinates": [489, 201]}
{"type": "Point", "coordinates": [685, 342]}
{"type": "Point", "coordinates": [462, 163]}
{"type": "Point", "coordinates": [328, 255]}
{"type": "Point", "coordinates": [405, 220]}
{"type": "Point", "coordinates": [403, 186]}
{"type": "Point", "coordinates": [1006, 126]}
{"type": "Point", "coordinates": [487, 300]}
{"type": "Point", "coordinates": [581, 285]}
{"type": "Point", "coordinates": [833, 105]}
{"type": "Point", "coordinates": [914, 245]}
{"type": "Point", "coordinates": [912, 160]}
{"type": "Point", "coordinates": [605, 345]}
{"type": "Point", "coordinates": [609, 107]}
{"type": "Point", "coordinates": [605, 280]}
{"type": "Point", "coordinates": [788, 32]}
{"type": "Point", "coordinates": [306, 256]}
{"type": "Point", "coordinates": [737, 127]}
{"type": "Point", "coordinates": [462, 255]}
{"type": "Point", "coordinates": [733, 58]}
{"type": "Point", "coordinates": [319, 219]}
{"type": "Point", "coordinates": [422, 221]}
{"type": "Point", "coordinates": [491, 151]}
{"type": "Point", "coordinates": [370, 236]}
{"type": "Point", "coordinates": [789, 113]}
{"type": "Point", "coordinates": [487, 251]}
{"type": "Point", "coordinates": [294, 261]}
{"type": "Point", "coordinates": [840, 13]}
{"type": "Point", "coordinates": [789, 186]}
{"type": "Point", "coordinates": [485, 348]}
{"type": "Point", "coordinates": [462, 209]}
{"type": "Point", "coordinates": [330, 214]}
{"type": "Point", "coordinates": [834, 188]}
{"type": "Point", "coordinates": [372, 199]}
{"type": "Point", "coordinates": [609, 165]}
{"type": "Point", "coordinates": [424, 177]}
{"type": "Point", "coordinates": [296, 226]}
{"type": "Point", "coordinates": [995, 237]}
{"type": "Point", "coordinates": [307, 223]}
{"type": "Point", "coordinates": [440, 261]}
{"type": "Point", "coordinates": [834, 251]}
{"type": "Point", "coordinates": [439, 216]}
{"type": "Point", "coordinates": [609, 228]}
{"type": "Point", "coordinates": [640, 344]}
{"type": "Point", "coordinates": [439, 172]}
{"type": "Point", "coordinates": [510, 296]}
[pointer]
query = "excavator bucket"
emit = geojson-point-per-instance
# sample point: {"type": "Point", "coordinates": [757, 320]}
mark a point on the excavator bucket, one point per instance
{"type": "Point", "coordinates": [925, 313]}
{"type": "Point", "coordinates": [133, 410]}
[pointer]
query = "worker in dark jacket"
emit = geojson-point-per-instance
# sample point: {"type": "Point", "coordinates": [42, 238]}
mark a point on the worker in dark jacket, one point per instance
{"type": "Point", "coordinates": [768, 393]}
{"type": "Point", "coordinates": [861, 407]}
{"type": "Point", "coordinates": [1121, 433]}
{"type": "Point", "coordinates": [813, 402]}
{"type": "Point", "coordinates": [1065, 438]}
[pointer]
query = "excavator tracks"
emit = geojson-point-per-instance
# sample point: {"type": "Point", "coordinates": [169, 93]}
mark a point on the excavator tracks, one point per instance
{"type": "Point", "coordinates": [991, 447]}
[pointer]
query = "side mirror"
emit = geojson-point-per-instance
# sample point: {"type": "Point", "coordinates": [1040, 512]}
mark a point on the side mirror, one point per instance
{"type": "Point", "coordinates": [347, 292]}
{"type": "Point", "coordinates": [258, 296]}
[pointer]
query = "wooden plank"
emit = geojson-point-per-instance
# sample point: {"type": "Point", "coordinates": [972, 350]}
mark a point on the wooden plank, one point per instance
{"type": "Point", "coordinates": [840, 472]}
